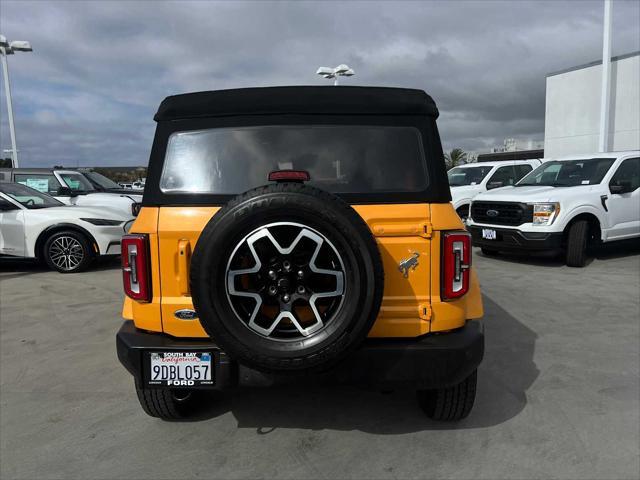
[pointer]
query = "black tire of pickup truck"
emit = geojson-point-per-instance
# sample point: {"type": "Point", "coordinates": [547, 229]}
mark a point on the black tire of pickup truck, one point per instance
{"type": "Point", "coordinates": [576, 255]}
{"type": "Point", "coordinates": [261, 209]}
{"type": "Point", "coordinates": [452, 403]}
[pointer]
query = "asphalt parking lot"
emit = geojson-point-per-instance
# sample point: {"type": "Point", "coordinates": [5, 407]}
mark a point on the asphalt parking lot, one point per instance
{"type": "Point", "coordinates": [558, 392]}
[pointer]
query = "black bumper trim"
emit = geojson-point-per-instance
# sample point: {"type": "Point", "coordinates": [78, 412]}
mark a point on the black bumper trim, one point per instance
{"type": "Point", "coordinates": [509, 239]}
{"type": "Point", "coordinates": [431, 361]}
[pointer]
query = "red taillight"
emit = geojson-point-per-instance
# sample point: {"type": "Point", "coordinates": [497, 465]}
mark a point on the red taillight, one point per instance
{"type": "Point", "coordinates": [135, 267]}
{"type": "Point", "coordinates": [289, 176]}
{"type": "Point", "coordinates": [456, 264]}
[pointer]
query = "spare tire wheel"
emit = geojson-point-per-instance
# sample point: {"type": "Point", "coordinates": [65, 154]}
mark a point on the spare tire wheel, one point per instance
{"type": "Point", "coordinates": [287, 277]}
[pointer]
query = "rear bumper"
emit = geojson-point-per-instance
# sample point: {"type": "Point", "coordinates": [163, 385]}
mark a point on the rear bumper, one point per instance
{"type": "Point", "coordinates": [509, 239]}
{"type": "Point", "coordinates": [431, 361]}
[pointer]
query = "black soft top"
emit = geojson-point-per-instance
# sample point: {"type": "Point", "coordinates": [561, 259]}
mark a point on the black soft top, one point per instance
{"type": "Point", "coordinates": [298, 100]}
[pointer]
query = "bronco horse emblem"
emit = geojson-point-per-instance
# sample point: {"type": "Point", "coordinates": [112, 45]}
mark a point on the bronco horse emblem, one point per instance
{"type": "Point", "coordinates": [408, 263]}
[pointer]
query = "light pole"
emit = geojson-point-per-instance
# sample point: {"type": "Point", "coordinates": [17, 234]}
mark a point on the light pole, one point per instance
{"type": "Point", "coordinates": [8, 48]}
{"type": "Point", "coordinates": [605, 95]}
{"type": "Point", "coordinates": [341, 70]}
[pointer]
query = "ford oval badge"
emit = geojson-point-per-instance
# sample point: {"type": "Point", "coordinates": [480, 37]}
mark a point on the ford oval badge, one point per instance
{"type": "Point", "coordinates": [185, 314]}
{"type": "Point", "coordinates": [492, 213]}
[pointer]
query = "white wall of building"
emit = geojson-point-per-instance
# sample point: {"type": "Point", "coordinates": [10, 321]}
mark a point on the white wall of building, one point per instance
{"type": "Point", "coordinates": [572, 117]}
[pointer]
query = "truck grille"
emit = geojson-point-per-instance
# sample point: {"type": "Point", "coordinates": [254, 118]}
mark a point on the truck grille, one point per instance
{"type": "Point", "coordinates": [506, 213]}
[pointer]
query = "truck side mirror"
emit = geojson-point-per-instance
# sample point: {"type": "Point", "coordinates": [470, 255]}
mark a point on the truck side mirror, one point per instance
{"type": "Point", "coordinates": [66, 192]}
{"type": "Point", "coordinates": [492, 185]}
{"type": "Point", "coordinates": [621, 186]}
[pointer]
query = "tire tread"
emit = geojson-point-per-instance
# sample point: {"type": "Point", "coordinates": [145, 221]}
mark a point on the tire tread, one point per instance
{"type": "Point", "coordinates": [160, 403]}
{"type": "Point", "coordinates": [450, 403]}
{"type": "Point", "coordinates": [577, 243]}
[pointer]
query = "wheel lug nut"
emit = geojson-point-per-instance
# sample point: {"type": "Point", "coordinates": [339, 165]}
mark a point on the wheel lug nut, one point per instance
{"type": "Point", "coordinates": [286, 265]}
{"type": "Point", "coordinates": [273, 290]}
{"type": "Point", "coordinates": [272, 274]}
{"type": "Point", "coordinates": [301, 289]}
{"type": "Point", "coordinates": [286, 298]}
{"type": "Point", "coordinates": [300, 274]}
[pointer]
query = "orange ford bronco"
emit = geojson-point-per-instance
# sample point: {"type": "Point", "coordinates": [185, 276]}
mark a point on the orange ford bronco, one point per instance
{"type": "Point", "coordinates": [296, 232]}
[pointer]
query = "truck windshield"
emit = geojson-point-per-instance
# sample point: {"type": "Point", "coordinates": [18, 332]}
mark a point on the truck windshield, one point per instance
{"type": "Point", "coordinates": [100, 180]}
{"type": "Point", "coordinates": [29, 197]}
{"type": "Point", "coordinates": [77, 181]}
{"type": "Point", "coordinates": [339, 158]}
{"type": "Point", "coordinates": [568, 173]}
{"type": "Point", "coordinates": [460, 176]}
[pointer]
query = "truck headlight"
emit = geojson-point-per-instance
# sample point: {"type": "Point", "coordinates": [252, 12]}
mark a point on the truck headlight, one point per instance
{"type": "Point", "coordinates": [545, 213]}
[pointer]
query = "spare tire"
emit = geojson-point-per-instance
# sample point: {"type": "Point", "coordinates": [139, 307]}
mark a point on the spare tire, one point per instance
{"type": "Point", "coordinates": [287, 277]}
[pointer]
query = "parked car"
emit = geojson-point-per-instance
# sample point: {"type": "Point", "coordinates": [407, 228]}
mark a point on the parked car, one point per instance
{"type": "Point", "coordinates": [467, 181]}
{"type": "Point", "coordinates": [68, 238]}
{"type": "Point", "coordinates": [104, 184]}
{"type": "Point", "coordinates": [70, 187]}
{"type": "Point", "coordinates": [328, 248]}
{"type": "Point", "coordinates": [565, 204]}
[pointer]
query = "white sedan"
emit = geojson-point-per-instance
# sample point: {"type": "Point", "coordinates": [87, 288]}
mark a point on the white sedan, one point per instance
{"type": "Point", "coordinates": [67, 238]}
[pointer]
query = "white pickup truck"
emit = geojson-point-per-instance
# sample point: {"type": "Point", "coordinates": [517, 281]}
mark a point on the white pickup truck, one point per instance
{"type": "Point", "coordinates": [72, 188]}
{"type": "Point", "coordinates": [565, 204]}
{"type": "Point", "coordinates": [467, 181]}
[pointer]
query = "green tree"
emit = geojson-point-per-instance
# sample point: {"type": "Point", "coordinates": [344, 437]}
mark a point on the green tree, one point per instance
{"type": "Point", "coordinates": [455, 157]}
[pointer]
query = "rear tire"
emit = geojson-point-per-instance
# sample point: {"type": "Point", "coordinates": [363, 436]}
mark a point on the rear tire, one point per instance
{"type": "Point", "coordinates": [577, 244]}
{"type": "Point", "coordinates": [67, 251]}
{"type": "Point", "coordinates": [168, 404]}
{"type": "Point", "coordinates": [452, 403]}
{"type": "Point", "coordinates": [489, 252]}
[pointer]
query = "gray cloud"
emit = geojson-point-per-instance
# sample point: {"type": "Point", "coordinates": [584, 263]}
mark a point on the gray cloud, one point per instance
{"type": "Point", "coordinates": [88, 93]}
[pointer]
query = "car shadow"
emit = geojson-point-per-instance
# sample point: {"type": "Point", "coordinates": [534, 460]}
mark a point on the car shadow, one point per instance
{"type": "Point", "coordinates": [538, 259]}
{"type": "Point", "coordinates": [20, 267]}
{"type": "Point", "coordinates": [618, 249]}
{"type": "Point", "coordinates": [505, 375]}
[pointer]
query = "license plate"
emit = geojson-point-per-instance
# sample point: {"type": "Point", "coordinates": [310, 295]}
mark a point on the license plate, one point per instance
{"type": "Point", "coordinates": [175, 369]}
{"type": "Point", "coordinates": [488, 234]}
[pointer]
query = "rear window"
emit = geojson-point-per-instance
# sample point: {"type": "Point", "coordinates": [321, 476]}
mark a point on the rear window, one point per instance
{"type": "Point", "coordinates": [339, 158]}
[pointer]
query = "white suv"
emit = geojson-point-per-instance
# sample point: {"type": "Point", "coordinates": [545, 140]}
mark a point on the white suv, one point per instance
{"type": "Point", "coordinates": [67, 238]}
{"type": "Point", "coordinates": [467, 181]}
{"type": "Point", "coordinates": [566, 203]}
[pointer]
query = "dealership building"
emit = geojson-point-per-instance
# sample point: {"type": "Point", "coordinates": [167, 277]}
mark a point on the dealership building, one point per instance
{"type": "Point", "coordinates": [573, 105]}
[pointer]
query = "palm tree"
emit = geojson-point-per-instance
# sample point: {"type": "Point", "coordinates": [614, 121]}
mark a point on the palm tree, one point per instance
{"type": "Point", "coordinates": [455, 157]}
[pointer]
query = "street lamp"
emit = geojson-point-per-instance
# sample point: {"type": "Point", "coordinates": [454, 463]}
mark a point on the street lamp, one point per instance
{"type": "Point", "coordinates": [341, 70]}
{"type": "Point", "coordinates": [9, 48]}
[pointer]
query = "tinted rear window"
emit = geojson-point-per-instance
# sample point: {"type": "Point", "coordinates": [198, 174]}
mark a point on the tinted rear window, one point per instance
{"type": "Point", "coordinates": [339, 158]}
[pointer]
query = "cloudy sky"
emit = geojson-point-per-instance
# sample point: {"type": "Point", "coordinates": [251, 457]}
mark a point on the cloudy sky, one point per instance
{"type": "Point", "coordinates": [87, 94]}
